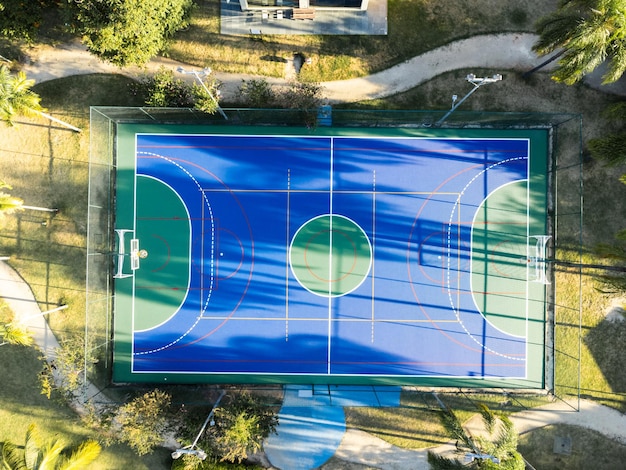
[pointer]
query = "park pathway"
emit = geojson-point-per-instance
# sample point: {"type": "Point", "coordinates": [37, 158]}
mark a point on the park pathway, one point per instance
{"type": "Point", "coordinates": [501, 52]}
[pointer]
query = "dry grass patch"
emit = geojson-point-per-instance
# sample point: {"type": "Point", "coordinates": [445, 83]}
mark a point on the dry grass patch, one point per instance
{"type": "Point", "coordinates": [415, 26]}
{"type": "Point", "coordinates": [589, 449]}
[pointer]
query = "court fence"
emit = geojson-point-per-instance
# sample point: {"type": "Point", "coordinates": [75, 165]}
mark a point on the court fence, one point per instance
{"type": "Point", "coordinates": [563, 309]}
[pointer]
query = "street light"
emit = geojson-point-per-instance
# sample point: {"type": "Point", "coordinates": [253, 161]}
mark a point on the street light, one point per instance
{"type": "Point", "coordinates": [205, 73]}
{"type": "Point", "coordinates": [192, 449]}
{"type": "Point", "coordinates": [477, 82]}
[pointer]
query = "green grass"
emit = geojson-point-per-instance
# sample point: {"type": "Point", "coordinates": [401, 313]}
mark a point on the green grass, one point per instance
{"type": "Point", "coordinates": [21, 404]}
{"type": "Point", "coordinates": [47, 166]}
{"type": "Point", "coordinates": [415, 424]}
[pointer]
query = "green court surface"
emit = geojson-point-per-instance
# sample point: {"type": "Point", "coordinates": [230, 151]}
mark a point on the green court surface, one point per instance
{"type": "Point", "coordinates": [275, 255]}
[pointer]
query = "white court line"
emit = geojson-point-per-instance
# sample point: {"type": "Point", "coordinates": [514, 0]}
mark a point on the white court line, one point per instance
{"type": "Point", "coordinates": [449, 249]}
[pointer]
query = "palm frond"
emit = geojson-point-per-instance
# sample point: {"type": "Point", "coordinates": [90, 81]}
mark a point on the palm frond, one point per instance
{"type": "Point", "coordinates": [51, 455]}
{"type": "Point", "coordinates": [11, 457]}
{"type": "Point", "coordinates": [12, 334]}
{"type": "Point", "coordinates": [506, 442]}
{"type": "Point", "coordinates": [438, 462]}
{"type": "Point", "coordinates": [590, 31]}
{"type": "Point", "coordinates": [16, 97]}
{"type": "Point", "coordinates": [32, 447]}
{"type": "Point", "coordinates": [489, 417]}
{"type": "Point", "coordinates": [80, 459]}
{"type": "Point", "coordinates": [454, 428]}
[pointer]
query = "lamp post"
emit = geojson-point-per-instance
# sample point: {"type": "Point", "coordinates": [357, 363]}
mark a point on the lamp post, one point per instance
{"type": "Point", "coordinates": [205, 73]}
{"type": "Point", "coordinates": [193, 449]}
{"type": "Point", "coordinates": [477, 82]}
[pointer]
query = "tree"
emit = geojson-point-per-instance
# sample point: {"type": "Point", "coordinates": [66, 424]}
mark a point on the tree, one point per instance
{"type": "Point", "coordinates": [20, 19]}
{"type": "Point", "coordinates": [17, 98]}
{"type": "Point", "coordinates": [38, 454]}
{"type": "Point", "coordinates": [496, 451]}
{"type": "Point", "coordinates": [8, 203]}
{"type": "Point", "coordinates": [142, 421]}
{"type": "Point", "coordinates": [127, 32]}
{"type": "Point", "coordinates": [11, 334]}
{"type": "Point", "coordinates": [589, 32]}
{"type": "Point", "coordinates": [239, 428]}
{"type": "Point", "coordinates": [611, 148]}
{"type": "Point", "coordinates": [162, 90]}
{"type": "Point", "coordinates": [242, 426]}
{"type": "Point", "coordinates": [257, 93]}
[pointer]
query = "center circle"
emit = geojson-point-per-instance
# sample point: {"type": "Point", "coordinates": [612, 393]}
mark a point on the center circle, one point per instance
{"type": "Point", "coordinates": [330, 255]}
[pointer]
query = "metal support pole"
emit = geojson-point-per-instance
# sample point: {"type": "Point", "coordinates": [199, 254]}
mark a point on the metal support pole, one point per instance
{"type": "Point", "coordinates": [191, 448]}
{"type": "Point", "coordinates": [477, 82]}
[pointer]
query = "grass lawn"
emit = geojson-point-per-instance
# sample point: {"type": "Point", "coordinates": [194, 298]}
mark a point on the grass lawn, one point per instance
{"type": "Point", "coordinates": [21, 404]}
{"type": "Point", "coordinates": [47, 166]}
{"type": "Point", "coordinates": [415, 424]}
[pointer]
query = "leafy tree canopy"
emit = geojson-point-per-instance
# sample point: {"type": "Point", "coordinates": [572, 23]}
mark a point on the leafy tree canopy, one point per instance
{"type": "Point", "coordinates": [20, 18]}
{"type": "Point", "coordinates": [589, 32]}
{"type": "Point", "coordinates": [128, 32]}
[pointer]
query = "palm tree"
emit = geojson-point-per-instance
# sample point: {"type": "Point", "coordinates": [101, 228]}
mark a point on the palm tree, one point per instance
{"type": "Point", "coordinates": [11, 334]}
{"type": "Point", "coordinates": [496, 451]}
{"type": "Point", "coordinates": [51, 455]}
{"type": "Point", "coordinates": [8, 203]}
{"type": "Point", "coordinates": [588, 32]}
{"type": "Point", "coordinates": [17, 98]}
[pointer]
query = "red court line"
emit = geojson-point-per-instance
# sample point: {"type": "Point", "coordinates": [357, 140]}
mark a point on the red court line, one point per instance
{"type": "Point", "coordinates": [408, 257]}
{"type": "Point", "coordinates": [243, 212]}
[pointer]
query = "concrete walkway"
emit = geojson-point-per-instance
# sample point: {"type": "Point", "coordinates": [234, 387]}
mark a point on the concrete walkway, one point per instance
{"type": "Point", "coordinates": [19, 297]}
{"type": "Point", "coordinates": [502, 52]}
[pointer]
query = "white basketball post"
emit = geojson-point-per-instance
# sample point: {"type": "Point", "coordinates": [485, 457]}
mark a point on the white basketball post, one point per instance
{"type": "Point", "coordinates": [539, 260]}
{"type": "Point", "coordinates": [135, 253]}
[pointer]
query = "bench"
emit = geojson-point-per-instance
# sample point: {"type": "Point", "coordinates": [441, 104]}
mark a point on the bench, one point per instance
{"type": "Point", "coordinates": [303, 13]}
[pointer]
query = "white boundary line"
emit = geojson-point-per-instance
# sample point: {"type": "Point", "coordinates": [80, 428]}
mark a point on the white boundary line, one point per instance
{"type": "Point", "coordinates": [330, 298]}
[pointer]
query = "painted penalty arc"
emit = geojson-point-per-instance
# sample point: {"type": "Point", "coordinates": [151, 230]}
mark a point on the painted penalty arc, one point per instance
{"type": "Point", "coordinates": [175, 312]}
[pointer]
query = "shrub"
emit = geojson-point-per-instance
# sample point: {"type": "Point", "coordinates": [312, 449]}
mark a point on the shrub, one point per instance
{"type": "Point", "coordinates": [240, 427]}
{"type": "Point", "coordinates": [143, 421]}
{"type": "Point", "coordinates": [257, 93]}
{"type": "Point", "coordinates": [162, 90]}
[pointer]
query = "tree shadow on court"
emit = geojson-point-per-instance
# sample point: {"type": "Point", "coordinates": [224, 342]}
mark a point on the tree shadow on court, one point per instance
{"type": "Point", "coordinates": [307, 353]}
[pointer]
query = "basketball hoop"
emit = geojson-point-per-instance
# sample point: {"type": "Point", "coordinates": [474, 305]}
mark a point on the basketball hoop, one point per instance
{"type": "Point", "coordinates": [143, 254]}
